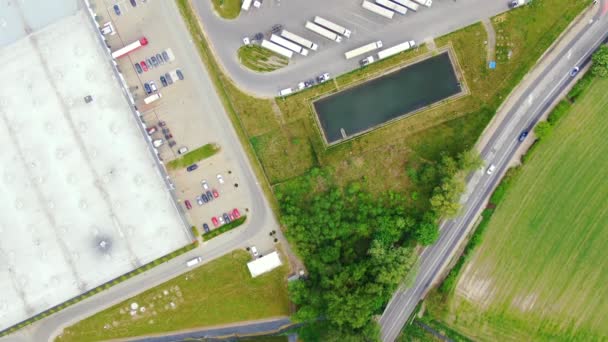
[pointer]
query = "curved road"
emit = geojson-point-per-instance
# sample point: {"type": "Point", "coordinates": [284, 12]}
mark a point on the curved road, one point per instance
{"type": "Point", "coordinates": [523, 109]}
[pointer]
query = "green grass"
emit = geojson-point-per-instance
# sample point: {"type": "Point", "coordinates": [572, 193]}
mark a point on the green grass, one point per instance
{"type": "Point", "coordinates": [217, 293]}
{"type": "Point", "coordinates": [224, 228]}
{"type": "Point", "coordinates": [194, 156]}
{"type": "Point", "coordinates": [227, 9]}
{"type": "Point", "coordinates": [260, 59]}
{"type": "Point", "coordinates": [540, 273]}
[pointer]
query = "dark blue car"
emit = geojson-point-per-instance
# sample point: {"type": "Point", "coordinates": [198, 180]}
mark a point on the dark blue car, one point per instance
{"type": "Point", "coordinates": [192, 168]}
{"type": "Point", "coordinates": [117, 9]}
{"type": "Point", "coordinates": [206, 228]}
{"type": "Point", "coordinates": [523, 136]}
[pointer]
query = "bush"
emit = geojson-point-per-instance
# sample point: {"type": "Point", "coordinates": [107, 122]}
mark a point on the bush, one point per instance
{"type": "Point", "coordinates": [224, 228]}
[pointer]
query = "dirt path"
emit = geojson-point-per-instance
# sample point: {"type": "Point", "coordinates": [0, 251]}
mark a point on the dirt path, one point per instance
{"type": "Point", "coordinates": [491, 42]}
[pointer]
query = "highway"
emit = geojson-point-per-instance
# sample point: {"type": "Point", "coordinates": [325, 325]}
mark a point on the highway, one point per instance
{"type": "Point", "coordinates": [521, 111]}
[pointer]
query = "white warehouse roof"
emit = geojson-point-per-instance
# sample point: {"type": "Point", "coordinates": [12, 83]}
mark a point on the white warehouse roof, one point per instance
{"type": "Point", "coordinates": [264, 264]}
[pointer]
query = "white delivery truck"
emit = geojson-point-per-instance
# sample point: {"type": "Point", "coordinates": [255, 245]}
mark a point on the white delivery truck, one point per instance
{"type": "Point", "coordinates": [285, 92]}
{"type": "Point", "coordinates": [409, 4]}
{"type": "Point", "coordinates": [393, 6]}
{"type": "Point", "coordinates": [516, 3]}
{"type": "Point", "coordinates": [246, 4]}
{"type": "Point", "coordinates": [194, 261]}
{"type": "Point", "coordinates": [302, 41]}
{"type": "Point", "coordinates": [426, 3]}
{"type": "Point", "coordinates": [152, 98]}
{"type": "Point", "coordinates": [323, 31]}
{"type": "Point", "coordinates": [370, 6]}
{"type": "Point", "coordinates": [363, 49]}
{"type": "Point", "coordinates": [332, 26]}
{"type": "Point", "coordinates": [290, 45]}
{"type": "Point", "coordinates": [396, 49]}
{"type": "Point", "coordinates": [277, 48]}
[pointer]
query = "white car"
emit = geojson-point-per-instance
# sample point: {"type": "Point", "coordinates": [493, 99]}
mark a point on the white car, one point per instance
{"type": "Point", "coordinates": [221, 220]}
{"type": "Point", "coordinates": [257, 3]}
{"type": "Point", "coordinates": [204, 184]}
{"type": "Point", "coordinates": [491, 169]}
{"type": "Point", "coordinates": [246, 41]}
{"type": "Point", "coordinates": [199, 201]}
{"type": "Point", "coordinates": [182, 150]}
{"type": "Point", "coordinates": [323, 77]}
{"type": "Point", "coordinates": [220, 178]}
{"type": "Point", "coordinates": [157, 142]}
{"type": "Point", "coordinates": [254, 251]}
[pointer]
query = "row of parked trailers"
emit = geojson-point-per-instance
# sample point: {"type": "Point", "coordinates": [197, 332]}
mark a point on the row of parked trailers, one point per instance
{"type": "Point", "coordinates": [387, 8]}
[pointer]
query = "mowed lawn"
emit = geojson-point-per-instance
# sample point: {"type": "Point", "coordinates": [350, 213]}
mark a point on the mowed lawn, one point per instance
{"type": "Point", "coordinates": [219, 292]}
{"type": "Point", "coordinates": [541, 272]}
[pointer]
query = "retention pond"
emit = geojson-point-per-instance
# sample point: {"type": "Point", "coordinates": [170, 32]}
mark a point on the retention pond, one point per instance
{"type": "Point", "coordinates": [398, 94]}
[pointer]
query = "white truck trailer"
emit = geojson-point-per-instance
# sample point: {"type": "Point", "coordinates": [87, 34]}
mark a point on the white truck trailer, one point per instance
{"type": "Point", "coordinates": [277, 48]}
{"type": "Point", "coordinates": [370, 6]}
{"type": "Point", "coordinates": [152, 98]}
{"type": "Point", "coordinates": [426, 3]}
{"type": "Point", "coordinates": [323, 31]}
{"type": "Point", "coordinates": [396, 49]}
{"type": "Point", "coordinates": [408, 3]}
{"type": "Point", "coordinates": [393, 6]}
{"type": "Point", "coordinates": [246, 5]}
{"type": "Point", "coordinates": [363, 49]}
{"type": "Point", "coordinates": [290, 45]}
{"type": "Point", "coordinates": [332, 26]}
{"type": "Point", "coordinates": [302, 41]}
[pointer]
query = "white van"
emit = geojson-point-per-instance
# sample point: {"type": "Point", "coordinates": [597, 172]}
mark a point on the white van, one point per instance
{"type": "Point", "coordinates": [285, 92]}
{"type": "Point", "coordinates": [194, 261]}
{"type": "Point", "coordinates": [152, 98]}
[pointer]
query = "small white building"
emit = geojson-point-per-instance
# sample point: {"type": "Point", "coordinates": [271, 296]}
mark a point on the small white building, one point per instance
{"type": "Point", "coordinates": [264, 264]}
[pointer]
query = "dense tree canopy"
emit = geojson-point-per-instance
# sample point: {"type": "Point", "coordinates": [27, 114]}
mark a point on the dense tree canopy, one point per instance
{"type": "Point", "coordinates": [600, 62]}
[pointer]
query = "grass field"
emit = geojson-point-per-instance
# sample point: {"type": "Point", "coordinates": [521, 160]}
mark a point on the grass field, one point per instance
{"type": "Point", "coordinates": [540, 273]}
{"type": "Point", "coordinates": [260, 59]}
{"type": "Point", "coordinates": [217, 293]}
{"type": "Point", "coordinates": [227, 9]}
{"type": "Point", "coordinates": [194, 156]}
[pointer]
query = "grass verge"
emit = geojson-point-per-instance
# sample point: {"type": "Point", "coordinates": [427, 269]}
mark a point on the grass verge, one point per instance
{"type": "Point", "coordinates": [227, 9]}
{"type": "Point", "coordinates": [219, 292]}
{"type": "Point", "coordinates": [260, 59]}
{"type": "Point", "coordinates": [224, 228]}
{"type": "Point", "coordinates": [194, 156]}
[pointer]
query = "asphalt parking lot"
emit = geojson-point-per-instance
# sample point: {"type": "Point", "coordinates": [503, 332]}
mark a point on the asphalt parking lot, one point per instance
{"type": "Point", "coordinates": [189, 118]}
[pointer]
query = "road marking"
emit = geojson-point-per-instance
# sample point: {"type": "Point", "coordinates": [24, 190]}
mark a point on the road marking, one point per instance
{"type": "Point", "coordinates": [569, 54]}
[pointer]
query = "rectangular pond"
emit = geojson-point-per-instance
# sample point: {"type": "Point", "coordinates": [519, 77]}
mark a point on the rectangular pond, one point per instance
{"type": "Point", "coordinates": [398, 94]}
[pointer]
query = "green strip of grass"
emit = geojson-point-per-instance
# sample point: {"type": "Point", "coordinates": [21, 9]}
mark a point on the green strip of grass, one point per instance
{"type": "Point", "coordinates": [224, 228]}
{"type": "Point", "coordinates": [194, 156]}
{"type": "Point", "coordinates": [260, 59]}
{"type": "Point", "coordinates": [219, 292]}
{"type": "Point", "coordinates": [227, 9]}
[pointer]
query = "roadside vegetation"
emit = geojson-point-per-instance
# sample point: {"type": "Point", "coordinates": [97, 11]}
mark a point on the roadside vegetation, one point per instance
{"type": "Point", "coordinates": [227, 9]}
{"type": "Point", "coordinates": [260, 59]}
{"type": "Point", "coordinates": [226, 227]}
{"type": "Point", "coordinates": [538, 272]}
{"type": "Point", "coordinates": [219, 292]}
{"type": "Point", "coordinates": [194, 156]}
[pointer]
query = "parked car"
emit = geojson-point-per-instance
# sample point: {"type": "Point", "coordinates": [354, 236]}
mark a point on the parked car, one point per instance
{"type": "Point", "coordinates": [160, 58]}
{"type": "Point", "coordinates": [182, 150]}
{"type": "Point", "coordinates": [179, 74]}
{"type": "Point", "coordinates": [309, 83]}
{"type": "Point", "coordinates": [117, 9]}
{"type": "Point", "coordinates": [215, 193]}
{"type": "Point", "coordinates": [209, 195]}
{"type": "Point", "coordinates": [188, 205]}
{"type": "Point", "coordinates": [199, 200]}
{"type": "Point", "coordinates": [157, 142]}
{"type": "Point", "coordinates": [133, 3]}
{"type": "Point", "coordinates": [220, 178]}
{"type": "Point", "coordinates": [258, 36]}
{"type": "Point", "coordinates": [138, 68]}
{"type": "Point", "coordinates": [523, 136]}
{"type": "Point", "coordinates": [162, 123]}
{"type": "Point", "coordinates": [231, 216]}
{"type": "Point", "coordinates": [215, 221]}
{"type": "Point", "coordinates": [143, 65]}
{"type": "Point", "coordinates": [153, 86]}
{"type": "Point", "coordinates": [204, 198]}
{"type": "Point", "coordinates": [226, 217]}
{"type": "Point", "coordinates": [236, 213]}
{"type": "Point", "coordinates": [491, 169]}
{"type": "Point", "coordinates": [277, 28]}
{"type": "Point", "coordinates": [574, 71]}
{"type": "Point", "coordinates": [206, 228]}
{"type": "Point", "coordinates": [254, 251]}
{"type": "Point", "coordinates": [151, 130]}
{"type": "Point", "coordinates": [192, 168]}
{"type": "Point", "coordinates": [246, 41]}
{"type": "Point", "coordinates": [154, 61]}
{"type": "Point", "coordinates": [222, 221]}
{"type": "Point", "coordinates": [204, 184]}
{"type": "Point", "coordinates": [169, 79]}
{"type": "Point", "coordinates": [147, 88]}
{"type": "Point", "coordinates": [163, 81]}
{"type": "Point", "coordinates": [165, 56]}
{"type": "Point", "coordinates": [149, 62]}
{"type": "Point", "coordinates": [323, 77]}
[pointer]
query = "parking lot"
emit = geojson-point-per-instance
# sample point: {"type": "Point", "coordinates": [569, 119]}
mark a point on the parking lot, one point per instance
{"type": "Point", "coordinates": [181, 117]}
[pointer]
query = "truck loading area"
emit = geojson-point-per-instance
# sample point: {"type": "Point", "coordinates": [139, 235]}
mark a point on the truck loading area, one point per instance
{"type": "Point", "coordinates": [398, 94]}
{"type": "Point", "coordinates": [82, 200]}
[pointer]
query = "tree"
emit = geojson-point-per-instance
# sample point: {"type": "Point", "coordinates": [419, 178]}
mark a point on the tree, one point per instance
{"type": "Point", "coordinates": [445, 199]}
{"type": "Point", "coordinates": [543, 130]}
{"type": "Point", "coordinates": [469, 160]}
{"type": "Point", "coordinates": [600, 62]}
{"type": "Point", "coordinates": [427, 232]}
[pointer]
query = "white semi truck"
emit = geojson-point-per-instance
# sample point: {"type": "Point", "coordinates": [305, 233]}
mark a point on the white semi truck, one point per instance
{"type": "Point", "coordinates": [370, 6]}
{"type": "Point", "coordinates": [409, 4]}
{"type": "Point", "coordinates": [393, 6]}
{"type": "Point", "coordinates": [332, 26]}
{"type": "Point", "coordinates": [323, 31]}
{"type": "Point", "coordinates": [290, 45]}
{"type": "Point", "coordinates": [302, 41]}
{"type": "Point", "coordinates": [426, 3]}
{"type": "Point", "coordinates": [363, 49]}
{"type": "Point", "coordinates": [277, 48]}
{"type": "Point", "coordinates": [246, 5]}
{"type": "Point", "coordinates": [396, 49]}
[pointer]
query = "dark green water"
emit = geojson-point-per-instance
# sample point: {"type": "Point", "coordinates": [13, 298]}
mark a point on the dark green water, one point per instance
{"type": "Point", "coordinates": [388, 97]}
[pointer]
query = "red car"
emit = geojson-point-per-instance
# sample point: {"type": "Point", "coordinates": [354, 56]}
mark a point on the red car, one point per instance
{"type": "Point", "coordinates": [151, 130]}
{"type": "Point", "coordinates": [188, 205]}
{"type": "Point", "coordinates": [215, 193]}
{"type": "Point", "coordinates": [214, 221]}
{"type": "Point", "coordinates": [236, 213]}
{"type": "Point", "coordinates": [143, 65]}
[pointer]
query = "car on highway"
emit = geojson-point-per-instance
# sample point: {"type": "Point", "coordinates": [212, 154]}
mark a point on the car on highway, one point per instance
{"type": "Point", "coordinates": [133, 3]}
{"type": "Point", "coordinates": [116, 9]}
{"type": "Point", "coordinates": [151, 130]}
{"type": "Point", "coordinates": [192, 168]}
{"type": "Point", "coordinates": [226, 217]}
{"type": "Point", "coordinates": [169, 79]}
{"type": "Point", "coordinates": [204, 184]}
{"type": "Point", "coordinates": [220, 178]}
{"type": "Point", "coordinates": [179, 74]}
{"type": "Point", "coordinates": [209, 195]}
{"type": "Point", "coordinates": [138, 68]}
{"type": "Point", "coordinates": [144, 66]}
{"type": "Point", "coordinates": [182, 150]}
{"type": "Point", "coordinates": [215, 221]}
{"type": "Point", "coordinates": [147, 88]}
{"type": "Point", "coordinates": [523, 136]}
{"type": "Point", "coordinates": [188, 204]}
{"type": "Point", "coordinates": [323, 77]}
{"type": "Point", "coordinates": [215, 193]}
{"type": "Point", "coordinates": [491, 169]}
{"type": "Point", "coordinates": [574, 71]}
{"type": "Point", "coordinates": [206, 228]}
{"type": "Point", "coordinates": [163, 81]}
{"type": "Point", "coordinates": [236, 213]}
{"type": "Point", "coordinates": [199, 201]}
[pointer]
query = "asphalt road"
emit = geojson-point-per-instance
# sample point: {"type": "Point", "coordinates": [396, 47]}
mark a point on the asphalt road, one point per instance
{"type": "Point", "coordinates": [226, 36]}
{"type": "Point", "coordinates": [534, 97]}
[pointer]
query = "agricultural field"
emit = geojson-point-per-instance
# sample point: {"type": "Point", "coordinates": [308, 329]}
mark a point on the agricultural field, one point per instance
{"type": "Point", "coordinates": [540, 273]}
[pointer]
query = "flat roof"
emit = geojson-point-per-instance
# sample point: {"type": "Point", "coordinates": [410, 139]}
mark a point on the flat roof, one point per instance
{"type": "Point", "coordinates": [264, 264]}
{"type": "Point", "coordinates": [82, 199]}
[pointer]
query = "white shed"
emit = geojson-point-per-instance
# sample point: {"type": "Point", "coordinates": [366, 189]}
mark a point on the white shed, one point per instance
{"type": "Point", "coordinates": [264, 264]}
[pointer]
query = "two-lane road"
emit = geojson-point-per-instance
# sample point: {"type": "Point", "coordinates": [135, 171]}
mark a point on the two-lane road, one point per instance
{"type": "Point", "coordinates": [533, 98]}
